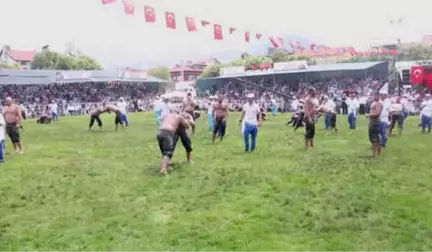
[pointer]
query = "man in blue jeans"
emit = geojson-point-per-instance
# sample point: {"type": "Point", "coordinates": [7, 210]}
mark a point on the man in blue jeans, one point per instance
{"type": "Point", "coordinates": [385, 122]}
{"type": "Point", "coordinates": [251, 119]}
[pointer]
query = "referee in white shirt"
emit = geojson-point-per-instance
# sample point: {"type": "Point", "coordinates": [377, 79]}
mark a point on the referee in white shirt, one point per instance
{"type": "Point", "coordinates": [251, 118]}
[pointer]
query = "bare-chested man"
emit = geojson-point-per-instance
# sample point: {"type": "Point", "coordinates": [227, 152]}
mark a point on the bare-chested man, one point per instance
{"type": "Point", "coordinates": [172, 124]}
{"type": "Point", "coordinates": [312, 108]}
{"type": "Point", "coordinates": [374, 124]}
{"type": "Point", "coordinates": [189, 107]}
{"type": "Point", "coordinates": [12, 116]}
{"type": "Point", "coordinates": [311, 104]}
{"type": "Point", "coordinates": [94, 116]}
{"type": "Point", "coordinates": [220, 114]}
{"type": "Point", "coordinates": [118, 115]}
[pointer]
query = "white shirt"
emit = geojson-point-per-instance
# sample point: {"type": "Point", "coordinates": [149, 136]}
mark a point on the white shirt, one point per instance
{"type": "Point", "coordinates": [396, 108]}
{"type": "Point", "coordinates": [210, 109]}
{"type": "Point", "coordinates": [330, 105]}
{"type": "Point", "coordinates": [251, 113]}
{"type": "Point", "coordinates": [2, 128]}
{"type": "Point", "coordinates": [384, 117]}
{"type": "Point", "coordinates": [164, 109]}
{"type": "Point", "coordinates": [352, 105]}
{"type": "Point", "coordinates": [122, 107]}
{"type": "Point", "coordinates": [426, 108]}
{"type": "Point", "coordinates": [53, 108]}
{"type": "Point", "coordinates": [295, 105]}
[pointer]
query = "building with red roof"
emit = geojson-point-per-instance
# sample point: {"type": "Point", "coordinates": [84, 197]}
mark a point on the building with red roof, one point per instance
{"type": "Point", "coordinates": [190, 71]}
{"type": "Point", "coordinates": [21, 57]}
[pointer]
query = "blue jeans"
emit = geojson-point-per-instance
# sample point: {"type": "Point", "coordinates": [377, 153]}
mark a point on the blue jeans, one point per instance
{"type": "Point", "coordinates": [124, 119]}
{"type": "Point", "coordinates": [383, 133]}
{"type": "Point", "coordinates": [274, 110]}
{"type": "Point", "coordinates": [426, 122]}
{"type": "Point", "coordinates": [54, 116]}
{"type": "Point", "coordinates": [352, 120]}
{"type": "Point", "coordinates": [158, 119]}
{"type": "Point", "coordinates": [2, 151]}
{"type": "Point", "coordinates": [327, 121]}
{"type": "Point", "coordinates": [210, 122]}
{"type": "Point", "coordinates": [252, 131]}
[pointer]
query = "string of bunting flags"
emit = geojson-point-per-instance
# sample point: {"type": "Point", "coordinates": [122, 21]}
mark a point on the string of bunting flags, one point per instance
{"type": "Point", "coordinates": [219, 33]}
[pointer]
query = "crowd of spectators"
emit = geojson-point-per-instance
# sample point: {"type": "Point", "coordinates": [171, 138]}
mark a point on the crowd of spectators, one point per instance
{"type": "Point", "coordinates": [78, 98]}
{"type": "Point", "coordinates": [81, 98]}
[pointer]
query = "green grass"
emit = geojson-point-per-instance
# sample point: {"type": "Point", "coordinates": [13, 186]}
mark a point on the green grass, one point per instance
{"type": "Point", "coordinates": [75, 190]}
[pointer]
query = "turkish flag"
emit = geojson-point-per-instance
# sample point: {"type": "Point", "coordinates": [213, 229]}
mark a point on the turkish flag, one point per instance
{"type": "Point", "coordinates": [258, 36]}
{"type": "Point", "coordinates": [108, 1]}
{"type": "Point", "coordinates": [204, 23]}
{"type": "Point", "coordinates": [292, 46]}
{"type": "Point", "coordinates": [190, 24]}
{"type": "Point", "coordinates": [231, 30]}
{"type": "Point", "coordinates": [149, 14]}
{"type": "Point", "coordinates": [273, 42]}
{"type": "Point", "coordinates": [281, 42]}
{"type": "Point", "coordinates": [247, 37]}
{"type": "Point", "coordinates": [417, 75]}
{"type": "Point", "coordinates": [129, 7]}
{"type": "Point", "coordinates": [218, 34]}
{"type": "Point", "coordinates": [170, 20]}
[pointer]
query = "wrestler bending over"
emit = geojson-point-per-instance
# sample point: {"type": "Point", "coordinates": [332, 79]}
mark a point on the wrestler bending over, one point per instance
{"type": "Point", "coordinates": [171, 125]}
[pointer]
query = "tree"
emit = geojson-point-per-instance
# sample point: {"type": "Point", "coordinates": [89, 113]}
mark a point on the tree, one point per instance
{"type": "Point", "coordinates": [57, 61]}
{"type": "Point", "coordinates": [9, 66]}
{"type": "Point", "coordinates": [84, 62]}
{"type": "Point", "coordinates": [213, 70]}
{"type": "Point", "coordinates": [160, 72]}
{"type": "Point", "coordinates": [280, 56]}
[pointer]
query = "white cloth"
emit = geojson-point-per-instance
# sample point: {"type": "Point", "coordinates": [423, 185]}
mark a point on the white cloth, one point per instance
{"type": "Point", "coordinates": [396, 108]}
{"type": "Point", "coordinates": [384, 117]}
{"type": "Point", "coordinates": [2, 128]}
{"type": "Point", "coordinates": [53, 108]}
{"type": "Point", "coordinates": [330, 105]}
{"type": "Point", "coordinates": [122, 107]}
{"type": "Point", "coordinates": [157, 105]}
{"type": "Point", "coordinates": [210, 109]}
{"type": "Point", "coordinates": [251, 112]}
{"type": "Point", "coordinates": [426, 108]}
{"type": "Point", "coordinates": [164, 109]}
{"type": "Point", "coordinates": [353, 105]}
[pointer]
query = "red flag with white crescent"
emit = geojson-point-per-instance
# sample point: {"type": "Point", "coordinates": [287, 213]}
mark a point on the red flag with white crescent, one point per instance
{"type": "Point", "coordinates": [108, 1]}
{"type": "Point", "coordinates": [149, 14]}
{"type": "Point", "coordinates": [190, 24]}
{"type": "Point", "coordinates": [129, 7]}
{"type": "Point", "coordinates": [218, 34]}
{"type": "Point", "coordinates": [170, 20]}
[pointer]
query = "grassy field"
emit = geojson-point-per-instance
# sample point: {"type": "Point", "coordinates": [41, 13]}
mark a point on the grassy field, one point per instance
{"type": "Point", "coordinates": [79, 190]}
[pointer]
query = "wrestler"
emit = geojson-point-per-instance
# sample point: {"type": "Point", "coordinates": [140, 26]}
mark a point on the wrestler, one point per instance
{"type": "Point", "coordinates": [189, 107]}
{"type": "Point", "coordinates": [374, 124]}
{"type": "Point", "coordinates": [312, 109]}
{"type": "Point", "coordinates": [118, 115]}
{"type": "Point", "coordinates": [95, 116]}
{"type": "Point", "coordinates": [12, 116]}
{"type": "Point", "coordinates": [171, 124]}
{"type": "Point", "coordinates": [220, 113]}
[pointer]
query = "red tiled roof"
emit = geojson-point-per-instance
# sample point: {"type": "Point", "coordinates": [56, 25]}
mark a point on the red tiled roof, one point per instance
{"type": "Point", "coordinates": [19, 55]}
{"type": "Point", "coordinates": [185, 69]}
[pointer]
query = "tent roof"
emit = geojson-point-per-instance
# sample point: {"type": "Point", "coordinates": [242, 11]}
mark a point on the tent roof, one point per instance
{"type": "Point", "coordinates": [41, 77]}
{"type": "Point", "coordinates": [313, 68]}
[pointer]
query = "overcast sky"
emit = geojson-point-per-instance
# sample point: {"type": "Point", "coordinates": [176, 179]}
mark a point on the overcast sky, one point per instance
{"type": "Point", "coordinates": [106, 33]}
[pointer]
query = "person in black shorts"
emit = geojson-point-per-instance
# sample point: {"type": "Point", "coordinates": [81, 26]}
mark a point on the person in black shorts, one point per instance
{"type": "Point", "coordinates": [118, 115]}
{"type": "Point", "coordinates": [173, 127]}
{"type": "Point", "coordinates": [374, 125]}
{"type": "Point", "coordinates": [332, 121]}
{"type": "Point", "coordinates": [95, 116]}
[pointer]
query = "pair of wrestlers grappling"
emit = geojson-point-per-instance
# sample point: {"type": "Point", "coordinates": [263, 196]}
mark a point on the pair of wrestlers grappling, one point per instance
{"type": "Point", "coordinates": [173, 127]}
